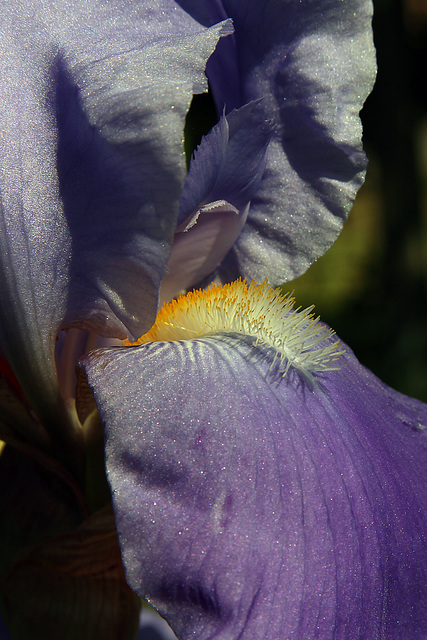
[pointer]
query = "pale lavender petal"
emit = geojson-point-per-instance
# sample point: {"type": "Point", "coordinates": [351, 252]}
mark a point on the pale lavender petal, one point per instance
{"type": "Point", "coordinates": [125, 269]}
{"type": "Point", "coordinates": [198, 249]}
{"type": "Point", "coordinates": [251, 505]}
{"type": "Point", "coordinates": [313, 62]}
{"type": "Point", "coordinates": [224, 175]}
{"type": "Point", "coordinates": [92, 107]}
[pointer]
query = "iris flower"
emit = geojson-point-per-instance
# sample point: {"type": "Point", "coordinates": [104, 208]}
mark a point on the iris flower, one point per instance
{"type": "Point", "coordinates": [248, 503]}
{"type": "Point", "coordinates": [265, 484]}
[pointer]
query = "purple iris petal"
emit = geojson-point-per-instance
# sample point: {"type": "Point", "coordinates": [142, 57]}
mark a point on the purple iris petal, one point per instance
{"type": "Point", "coordinates": [223, 69]}
{"type": "Point", "coordinates": [229, 163]}
{"type": "Point", "coordinates": [200, 247]}
{"type": "Point", "coordinates": [313, 63]}
{"type": "Point", "coordinates": [251, 505]}
{"type": "Point", "coordinates": [93, 103]}
{"type": "Point", "coordinates": [224, 175]}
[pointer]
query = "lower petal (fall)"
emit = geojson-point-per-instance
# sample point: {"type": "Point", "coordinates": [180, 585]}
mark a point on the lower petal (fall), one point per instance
{"type": "Point", "coordinates": [254, 505]}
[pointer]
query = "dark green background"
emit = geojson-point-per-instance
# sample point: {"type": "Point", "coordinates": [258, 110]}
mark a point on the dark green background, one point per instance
{"type": "Point", "coordinates": [371, 287]}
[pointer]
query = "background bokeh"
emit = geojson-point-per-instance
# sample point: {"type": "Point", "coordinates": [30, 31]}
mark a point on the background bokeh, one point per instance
{"type": "Point", "coordinates": [371, 287]}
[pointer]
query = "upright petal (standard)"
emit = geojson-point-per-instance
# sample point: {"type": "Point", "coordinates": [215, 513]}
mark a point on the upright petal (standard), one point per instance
{"type": "Point", "coordinates": [93, 104]}
{"type": "Point", "coordinates": [313, 64]}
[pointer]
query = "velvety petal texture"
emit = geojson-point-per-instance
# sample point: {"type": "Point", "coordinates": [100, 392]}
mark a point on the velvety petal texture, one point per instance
{"type": "Point", "coordinates": [313, 63]}
{"type": "Point", "coordinates": [251, 505]}
{"type": "Point", "coordinates": [93, 98]}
